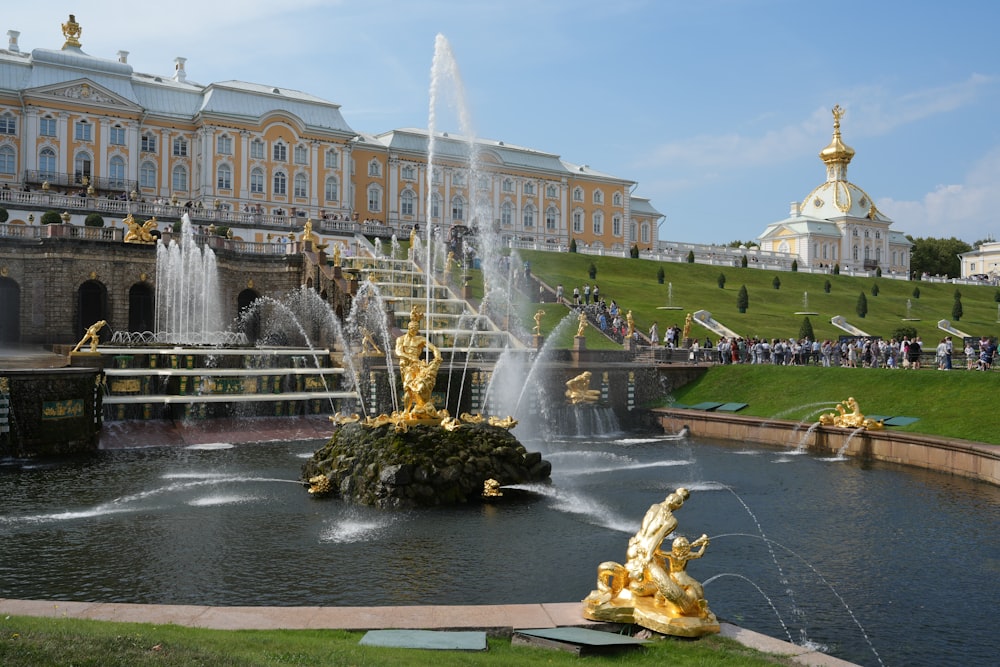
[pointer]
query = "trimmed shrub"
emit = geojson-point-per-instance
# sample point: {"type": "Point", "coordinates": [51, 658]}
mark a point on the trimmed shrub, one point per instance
{"type": "Point", "coordinates": [721, 280]}
{"type": "Point", "coordinates": [806, 330]}
{"type": "Point", "coordinates": [827, 287]}
{"type": "Point", "coordinates": [660, 275]}
{"type": "Point", "coordinates": [862, 306]}
{"type": "Point", "coordinates": [51, 218]}
{"type": "Point", "coordinates": [94, 220]}
{"type": "Point", "coordinates": [690, 257]}
{"type": "Point", "coordinates": [776, 283]}
{"type": "Point", "coordinates": [742, 299]}
{"type": "Point", "coordinates": [4, 215]}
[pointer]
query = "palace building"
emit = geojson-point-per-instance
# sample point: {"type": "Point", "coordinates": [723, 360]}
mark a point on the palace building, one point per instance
{"type": "Point", "coordinates": [264, 157]}
{"type": "Point", "coordinates": [838, 223]}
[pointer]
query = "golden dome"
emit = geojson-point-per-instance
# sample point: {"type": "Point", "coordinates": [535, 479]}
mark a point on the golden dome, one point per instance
{"type": "Point", "coordinates": [837, 151]}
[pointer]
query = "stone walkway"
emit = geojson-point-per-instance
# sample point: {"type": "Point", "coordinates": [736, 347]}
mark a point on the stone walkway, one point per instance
{"type": "Point", "coordinates": [500, 619]}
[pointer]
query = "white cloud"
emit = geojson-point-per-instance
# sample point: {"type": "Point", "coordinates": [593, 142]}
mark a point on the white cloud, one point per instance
{"type": "Point", "coordinates": [967, 210]}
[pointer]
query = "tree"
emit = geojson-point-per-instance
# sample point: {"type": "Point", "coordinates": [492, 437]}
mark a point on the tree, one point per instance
{"type": "Point", "coordinates": [776, 283]}
{"type": "Point", "coordinates": [875, 289]}
{"type": "Point", "coordinates": [634, 251]}
{"type": "Point", "coordinates": [690, 256]}
{"type": "Point", "coordinates": [660, 275]}
{"type": "Point", "coordinates": [4, 215]}
{"type": "Point", "coordinates": [744, 261]}
{"type": "Point", "coordinates": [878, 271]}
{"type": "Point", "coordinates": [94, 220]}
{"type": "Point", "coordinates": [742, 299]}
{"type": "Point", "coordinates": [956, 307]}
{"type": "Point", "coordinates": [721, 280]}
{"type": "Point", "coordinates": [827, 287]}
{"type": "Point", "coordinates": [862, 306]}
{"type": "Point", "coordinates": [572, 245]}
{"type": "Point", "coordinates": [937, 257]}
{"type": "Point", "coordinates": [592, 271]}
{"type": "Point", "coordinates": [743, 244]}
{"type": "Point", "coordinates": [836, 269]}
{"type": "Point", "coordinates": [51, 218]}
{"type": "Point", "coordinates": [806, 330]}
{"type": "Point", "coordinates": [795, 265]}
{"type": "Point", "coordinates": [916, 292]}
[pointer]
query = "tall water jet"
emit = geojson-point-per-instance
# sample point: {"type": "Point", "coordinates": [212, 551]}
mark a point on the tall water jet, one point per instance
{"type": "Point", "coordinates": [188, 308]}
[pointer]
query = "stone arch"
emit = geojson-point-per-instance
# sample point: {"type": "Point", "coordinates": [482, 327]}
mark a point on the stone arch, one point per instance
{"type": "Point", "coordinates": [141, 308]}
{"type": "Point", "coordinates": [10, 311]}
{"type": "Point", "coordinates": [250, 322]}
{"type": "Point", "coordinates": [92, 305]}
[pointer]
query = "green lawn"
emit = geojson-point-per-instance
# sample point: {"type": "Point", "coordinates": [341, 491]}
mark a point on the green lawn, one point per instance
{"type": "Point", "coordinates": [39, 642]}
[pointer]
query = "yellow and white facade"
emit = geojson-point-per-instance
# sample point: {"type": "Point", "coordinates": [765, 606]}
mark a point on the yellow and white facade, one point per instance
{"type": "Point", "coordinates": [75, 123]}
{"type": "Point", "coordinates": [838, 223]}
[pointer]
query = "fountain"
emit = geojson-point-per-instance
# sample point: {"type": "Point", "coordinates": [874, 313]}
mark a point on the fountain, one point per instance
{"type": "Point", "coordinates": [187, 291]}
{"type": "Point", "coordinates": [909, 307]}
{"type": "Point", "coordinates": [670, 299]}
{"type": "Point", "coordinates": [805, 306]}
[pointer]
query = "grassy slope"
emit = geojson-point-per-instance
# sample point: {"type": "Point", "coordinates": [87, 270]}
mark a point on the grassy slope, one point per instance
{"type": "Point", "coordinates": [45, 641]}
{"type": "Point", "coordinates": [954, 404]}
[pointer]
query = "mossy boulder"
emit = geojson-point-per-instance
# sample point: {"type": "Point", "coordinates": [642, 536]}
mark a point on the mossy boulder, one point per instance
{"type": "Point", "coordinates": [424, 466]}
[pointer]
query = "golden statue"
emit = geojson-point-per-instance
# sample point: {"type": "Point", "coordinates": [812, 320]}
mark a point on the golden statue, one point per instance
{"type": "Point", "coordinates": [687, 326]}
{"type": "Point", "coordinates": [369, 347]}
{"type": "Point", "coordinates": [849, 415]}
{"type": "Point", "coordinates": [582, 319]}
{"type": "Point", "coordinates": [653, 588]}
{"type": "Point", "coordinates": [449, 260]}
{"type": "Point", "coordinates": [92, 336]}
{"type": "Point", "coordinates": [139, 232]}
{"type": "Point", "coordinates": [307, 232]}
{"type": "Point", "coordinates": [71, 31]}
{"type": "Point", "coordinates": [491, 489]}
{"type": "Point", "coordinates": [578, 390]}
{"type": "Point", "coordinates": [538, 321]}
{"type": "Point", "coordinates": [336, 254]}
{"type": "Point", "coordinates": [418, 375]}
{"type": "Point", "coordinates": [631, 323]}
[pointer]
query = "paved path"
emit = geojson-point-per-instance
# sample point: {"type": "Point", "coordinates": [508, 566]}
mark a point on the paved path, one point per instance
{"type": "Point", "coordinates": [498, 618]}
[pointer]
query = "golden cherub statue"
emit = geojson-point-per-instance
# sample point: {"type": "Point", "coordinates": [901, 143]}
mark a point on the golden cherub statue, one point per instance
{"type": "Point", "coordinates": [139, 232]}
{"type": "Point", "coordinates": [653, 588]}
{"type": "Point", "coordinates": [539, 314]}
{"type": "Point", "coordinates": [849, 415]}
{"type": "Point", "coordinates": [582, 323]}
{"type": "Point", "coordinates": [419, 376]}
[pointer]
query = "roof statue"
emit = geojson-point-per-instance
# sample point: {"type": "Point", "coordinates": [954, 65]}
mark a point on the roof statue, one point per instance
{"type": "Point", "coordinates": [71, 31]}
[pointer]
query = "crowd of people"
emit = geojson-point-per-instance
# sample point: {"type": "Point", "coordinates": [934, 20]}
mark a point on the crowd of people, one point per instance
{"type": "Point", "coordinates": [852, 352]}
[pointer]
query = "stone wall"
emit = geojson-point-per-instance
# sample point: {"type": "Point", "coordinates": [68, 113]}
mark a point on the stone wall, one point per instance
{"type": "Point", "coordinates": [53, 412]}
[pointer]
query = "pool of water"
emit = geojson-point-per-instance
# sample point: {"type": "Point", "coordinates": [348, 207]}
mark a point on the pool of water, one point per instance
{"type": "Point", "coordinates": [874, 564]}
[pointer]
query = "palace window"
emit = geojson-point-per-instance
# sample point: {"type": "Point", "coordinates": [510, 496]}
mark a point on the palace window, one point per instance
{"type": "Point", "coordinates": [47, 126]}
{"type": "Point", "coordinates": [458, 179]}
{"type": "Point", "coordinates": [617, 199]}
{"type": "Point", "coordinates": [301, 188]}
{"type": "Point", "coordinates": [47, 163]}
{"type": "Point", "coordinates": [616, 225]}
{"type": "Point", "coordinates": [224, 145]}
{"type": "Point", "coordinates": [224, 177]}
{"type": "Point", "coordinates": [457, 208]}
{"type": "Point", "coordinates": [598, 223]}
{"type": "Point", "coordinates": [280, 152]}
{"type": "Point", "coordinates": [332, 190]}
{"type": "Point", "coordinates": [256, 149]}
{"type": "Point", "coordinates": [551, 218]}
{"type": "Point", "coordinates": [180, 147]}
{"type": "Point", "coordinates": [483, 182]}
{"type": "Point", "coordinates": [878, 234]}
{"type": "Point", "coordinates": [301, 155]}
{"type": "Point", "coordinates": [117, 135]}
{"type": "Point", "coordinates": [409, 173]}
{"type": "Point", "coordinates": [81, 166]}
{"type": "Point", "coordinates": [147, 144]}
{"type": "Point", "coordinates": [374, 198]}
{"type": "Point", "coordinates": [644, 230]}
{"type": "Point", "coordinates": [855, 253]}
{"type": "Point", "coordinates": [331, 158]}
{"type": "Point", "coordinates": [508, 185]}
{"type": "Point", "coordinates": [578, 222]}
{"type": "Point", "coordinates": [280, 183]}
{"type": "Point", "coordinates": [257, 181]}
{"type": "Point", "coordinates": [116, 171]}
{"type": "Point", "coordinates": [529, 216]}
{"type": "Point", "coordinates": [147, 175]}
{"type": "Point", "coordinates": [551, 192]}
{"type": "Point", "coordinates": [8, 160]}
{"type": "Point", "coordinates": [179, 178]}
{"type": "Point", "coordinates": [506, 214]}
{"type": "Point", "coordinates": [577, 194]}
{"type": "Point", "coordinates": [84, 131]}
{"type": "Point", "coordinates": [436, 176]}
{"type": "Point", "coordinates": [375, 168]}
{"type": "Point", "coordinates": [435, 205]}
{"type": "Point", "coordinates": [598, 197]}
{"type": "Point", "coordinates": [529, 188]}
{"type": "Point", "coordinates": [8, 124]}
{"type": "Point", "coordinates": [406, 202]}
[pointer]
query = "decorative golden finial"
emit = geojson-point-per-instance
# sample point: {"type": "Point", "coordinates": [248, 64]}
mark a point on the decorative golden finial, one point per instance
{"type": "Point", "coordinates": [72, 31]}
{"type": "Point", "coordinates": [838, 113]}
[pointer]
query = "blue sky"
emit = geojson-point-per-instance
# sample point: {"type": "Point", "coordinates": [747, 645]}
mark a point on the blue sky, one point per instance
{"type": "Point", "coordinates": [717, 108]}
